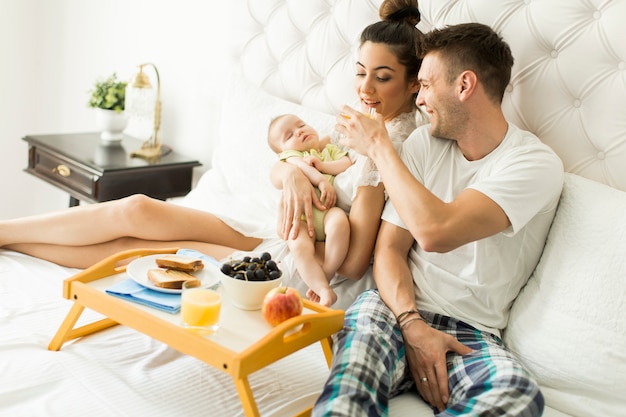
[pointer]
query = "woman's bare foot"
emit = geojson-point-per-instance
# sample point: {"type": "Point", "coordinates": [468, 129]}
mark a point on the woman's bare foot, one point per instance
{"type": "Point", "coordinates": [326, 297]}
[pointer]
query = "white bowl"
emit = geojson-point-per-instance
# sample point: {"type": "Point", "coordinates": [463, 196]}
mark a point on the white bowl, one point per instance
{"type": "Point", "coordinates": [247, 295]}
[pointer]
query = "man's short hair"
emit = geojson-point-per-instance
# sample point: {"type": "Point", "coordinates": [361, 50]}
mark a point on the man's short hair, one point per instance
{"type": "Point", "coordinates": [475, 47]}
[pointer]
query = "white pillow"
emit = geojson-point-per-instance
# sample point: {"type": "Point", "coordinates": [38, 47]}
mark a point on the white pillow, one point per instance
{"type": "Point", "coordinates": [237, 187]}
{"type": "Point", "coordinates": [568, 324]}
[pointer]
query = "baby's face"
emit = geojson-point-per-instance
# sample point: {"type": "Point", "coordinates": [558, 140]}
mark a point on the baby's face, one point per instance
{"type": "Point", "coordinates": [290, 132]}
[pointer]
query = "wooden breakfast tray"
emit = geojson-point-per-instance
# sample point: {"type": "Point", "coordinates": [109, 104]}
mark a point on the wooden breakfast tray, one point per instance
{"type": "Point", "coordinates": [244, 344]}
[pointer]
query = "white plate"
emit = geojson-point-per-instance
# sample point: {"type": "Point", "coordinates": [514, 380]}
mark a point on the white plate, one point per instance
{"type": "Point", "coordinates": [138, 271]}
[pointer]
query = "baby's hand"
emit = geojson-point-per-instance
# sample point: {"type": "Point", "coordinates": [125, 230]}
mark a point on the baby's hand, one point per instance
{"type": "Point", "coordinates": [328, 195]}
{"type": "Point", "coordinates": [312, 160]}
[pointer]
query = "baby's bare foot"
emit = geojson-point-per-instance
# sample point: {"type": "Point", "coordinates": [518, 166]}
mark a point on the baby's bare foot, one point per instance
{"type": "Point", "coordinates": [312, 295]}
{"type": "Point", "coordinates": [328, 297]}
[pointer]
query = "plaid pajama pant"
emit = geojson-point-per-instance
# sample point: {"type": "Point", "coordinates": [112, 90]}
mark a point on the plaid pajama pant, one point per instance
{"type": "Point", "coordinates": [369, 367]}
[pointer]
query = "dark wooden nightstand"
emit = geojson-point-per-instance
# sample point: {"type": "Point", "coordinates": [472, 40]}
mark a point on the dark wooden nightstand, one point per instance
{"type": "Point", "coordinates": [92, 171]}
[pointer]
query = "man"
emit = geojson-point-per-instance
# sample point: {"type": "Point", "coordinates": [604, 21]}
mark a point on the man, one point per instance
{"type": "Point", "coordinates": [470, 204]}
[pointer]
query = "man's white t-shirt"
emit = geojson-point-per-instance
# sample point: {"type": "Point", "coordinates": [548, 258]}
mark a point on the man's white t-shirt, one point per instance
{"type": "Point", "coordinates": [478, 282]}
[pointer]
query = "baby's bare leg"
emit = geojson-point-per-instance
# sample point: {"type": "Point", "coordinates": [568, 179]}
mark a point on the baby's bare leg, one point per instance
{"type": "Point", "coordinates": [311, 272]}
{"type": "Point", "coordinates": [337, 228]}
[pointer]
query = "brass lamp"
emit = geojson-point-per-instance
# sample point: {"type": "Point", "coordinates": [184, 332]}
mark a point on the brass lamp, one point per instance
{"type": "Point", "coordinates": [139, 101]}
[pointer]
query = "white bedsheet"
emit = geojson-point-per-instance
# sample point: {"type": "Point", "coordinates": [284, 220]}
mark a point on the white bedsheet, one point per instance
{"type": "Point", "coordinates": [119, 372]}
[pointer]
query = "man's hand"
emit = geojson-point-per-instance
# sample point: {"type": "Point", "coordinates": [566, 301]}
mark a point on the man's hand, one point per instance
{"type": "Point", "coordinates": [426, 350]}
{"type": "Point", "coordinates": [360, 132]}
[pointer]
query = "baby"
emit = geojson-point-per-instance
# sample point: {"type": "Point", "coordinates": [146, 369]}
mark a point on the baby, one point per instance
{"type": "Point", "coordinates": [297, 143]}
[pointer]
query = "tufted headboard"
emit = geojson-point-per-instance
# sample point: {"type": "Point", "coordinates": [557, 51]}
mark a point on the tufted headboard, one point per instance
{"type": "Point", "coordinates": [568, 84]}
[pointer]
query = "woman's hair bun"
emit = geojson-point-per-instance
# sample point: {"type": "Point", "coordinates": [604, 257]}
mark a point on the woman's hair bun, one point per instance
{"type": "Point", "coordinates": [400, 11]}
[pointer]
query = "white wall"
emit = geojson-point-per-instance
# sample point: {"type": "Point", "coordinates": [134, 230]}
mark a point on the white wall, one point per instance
{"type": "Point", "coordinates": [53, 50]}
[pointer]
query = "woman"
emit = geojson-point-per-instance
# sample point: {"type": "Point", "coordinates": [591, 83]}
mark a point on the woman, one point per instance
{"type": "Point", "coordinates": [83, 235]}
{"type": "Point", "coordinates": [385, 81]}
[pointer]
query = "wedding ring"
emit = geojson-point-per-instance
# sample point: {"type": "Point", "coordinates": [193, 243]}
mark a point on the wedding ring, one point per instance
{"type": "Point", "coordinates": [424, 379]}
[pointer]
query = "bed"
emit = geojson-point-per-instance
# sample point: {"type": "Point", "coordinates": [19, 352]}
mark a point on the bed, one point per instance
{"type": "Point", "coordinates": [568, 86]}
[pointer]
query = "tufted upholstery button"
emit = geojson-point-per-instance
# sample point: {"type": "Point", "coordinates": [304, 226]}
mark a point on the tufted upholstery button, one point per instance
{"type": "Point", "coordinates": [577, 103]}
{"type": "Point", "coordinates": [554, 53]}
{"type": "Point", "coordinates": [597, 14]}
{"type": "Point", "coordinates": [621, 65]}
{"type": "Point", "coordinates": [509, 88]}
{"type": "Point", "coordinates": [600, 155]}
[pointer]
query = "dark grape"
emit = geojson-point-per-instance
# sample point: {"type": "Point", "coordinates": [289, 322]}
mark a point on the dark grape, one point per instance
{"type": "Point", "coordinates": [275, 274]}
{"type": "Point", "coordinates": [226, 269]}
{"type": "Point", "coordinates": [262, 268]}
{"type": "Point", "coordinates": [259, 275]}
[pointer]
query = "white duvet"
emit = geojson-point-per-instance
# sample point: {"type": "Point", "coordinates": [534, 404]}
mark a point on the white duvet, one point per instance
{"type": "Point", "coordinates": [119, 372]}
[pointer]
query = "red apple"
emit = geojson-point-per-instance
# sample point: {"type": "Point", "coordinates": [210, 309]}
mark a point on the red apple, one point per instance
{"type": "Point", "coordinates": [280, 304]}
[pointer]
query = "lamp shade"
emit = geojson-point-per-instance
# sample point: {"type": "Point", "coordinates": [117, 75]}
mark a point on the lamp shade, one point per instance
{"type": "Point", "coordinates": [143, 105]}
{"type": "Point", "coordinates": [140, 108]}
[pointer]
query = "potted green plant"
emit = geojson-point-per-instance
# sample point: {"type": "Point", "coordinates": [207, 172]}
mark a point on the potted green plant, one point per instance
{"type": "Point", "coordinates": [108, 97]}
{"type": "Point", "coordinates": [109, 94]}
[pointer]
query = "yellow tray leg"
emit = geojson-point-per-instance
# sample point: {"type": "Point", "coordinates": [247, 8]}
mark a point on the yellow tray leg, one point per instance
{"type": "Point", "coordinates": [67, 332]}
{"type": "Point", "coordinates": [327, 348]}
{"type": "Point", "coordinates": [246, 397]}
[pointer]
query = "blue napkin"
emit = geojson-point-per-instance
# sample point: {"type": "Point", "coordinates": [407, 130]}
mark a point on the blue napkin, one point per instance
{"type": "Point", "coordinates": [195, 254]}
{"type": "Point", "coordinates": [132, 291]}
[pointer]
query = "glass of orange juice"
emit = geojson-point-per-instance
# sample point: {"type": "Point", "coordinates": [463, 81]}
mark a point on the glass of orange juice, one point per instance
{"type": "Point", "coordinates": [200, 307]}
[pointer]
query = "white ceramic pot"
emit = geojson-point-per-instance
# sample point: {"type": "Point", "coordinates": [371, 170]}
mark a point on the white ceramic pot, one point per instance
{"type": "Point", "coordinates": [111, 124]}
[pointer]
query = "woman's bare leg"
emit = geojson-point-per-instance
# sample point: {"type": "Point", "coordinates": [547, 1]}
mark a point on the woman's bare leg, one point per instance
{"type": "Point", "coordinates": [85, 256]}
{"type": "Point", "coordinates": [136, 216]}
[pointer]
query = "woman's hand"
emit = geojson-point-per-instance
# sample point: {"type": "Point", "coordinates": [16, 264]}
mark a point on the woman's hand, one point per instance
{"type": "Point", "coordinates": [360, 132]}
{"type": "Point", "coordinates": [297, 199]}
{"type": "Point", "coordinates": [426, 350]}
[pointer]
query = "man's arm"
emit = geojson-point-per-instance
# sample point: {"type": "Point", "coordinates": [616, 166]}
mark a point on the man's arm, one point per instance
{"type": "Point", "coordinates": [425, 347]}
{"type": "Point", "coordinates": [391, 270]}
{"type": "Point", "coordinates": [437, 226]}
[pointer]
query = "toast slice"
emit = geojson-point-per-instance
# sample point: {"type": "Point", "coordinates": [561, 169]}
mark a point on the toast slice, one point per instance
{"type": "Point", "coordinates": [170, 278]}
{"type": "Point", "coordinates": [179, 263]}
